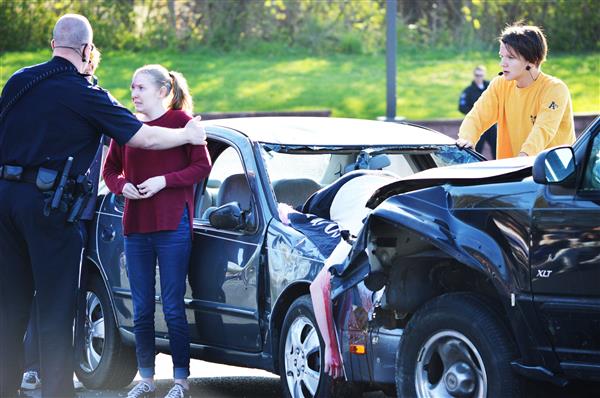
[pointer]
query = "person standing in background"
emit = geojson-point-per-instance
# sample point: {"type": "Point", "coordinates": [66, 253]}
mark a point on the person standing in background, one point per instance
{"type": "Point", "coordinates": [468, 97]}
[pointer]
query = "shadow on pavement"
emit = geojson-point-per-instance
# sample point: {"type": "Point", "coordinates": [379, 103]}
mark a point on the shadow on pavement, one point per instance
{"type": "Point", "coordinates": [269, 387]}
{"type": "Point", "coordinates": [203, 387]}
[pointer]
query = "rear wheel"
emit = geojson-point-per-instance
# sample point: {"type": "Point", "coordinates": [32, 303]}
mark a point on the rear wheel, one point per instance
{"type": "Point", "coordinates": [103, 359]}
{"type": "Point", "coordinates": [456, 346]}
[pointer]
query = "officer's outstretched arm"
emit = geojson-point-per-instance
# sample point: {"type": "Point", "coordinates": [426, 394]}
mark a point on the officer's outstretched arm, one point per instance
{"type": "Point", "coordinates": [154, 137]}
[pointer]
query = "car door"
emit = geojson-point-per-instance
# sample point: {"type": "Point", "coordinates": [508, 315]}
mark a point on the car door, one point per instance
{"type": "Point", "coordinates": [111, 255]}
{"type": "Point", "coordinates": [222, 294]}
{"type": "Point", "coordinates": [565, 261]}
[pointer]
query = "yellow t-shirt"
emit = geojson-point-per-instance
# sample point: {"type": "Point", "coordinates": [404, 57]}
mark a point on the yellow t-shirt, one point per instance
{"type": "Point", "coordinates": [529, 119]}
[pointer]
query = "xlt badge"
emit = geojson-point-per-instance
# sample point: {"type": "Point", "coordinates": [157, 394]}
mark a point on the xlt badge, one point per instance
{"type": "Point", "coordinates": [544, 273]}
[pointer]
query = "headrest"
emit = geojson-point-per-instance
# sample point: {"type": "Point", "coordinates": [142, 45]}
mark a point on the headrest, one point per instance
{"type": "Point", "coordinates": [294, 191]}
{"type": "Point", "coordinates": [235, 188]}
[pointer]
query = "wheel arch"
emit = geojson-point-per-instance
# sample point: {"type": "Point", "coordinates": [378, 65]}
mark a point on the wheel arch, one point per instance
{"type": "Point", "coordinates": [399, 240]}
{"type": "Point", "coordinates": [424, 263]}
{"type": "Point", "coordinates": [280, 309]}
{"type": "Point", "coordinates": [412, 285]}
{"type": "Point", "coordinates": [91, 268]}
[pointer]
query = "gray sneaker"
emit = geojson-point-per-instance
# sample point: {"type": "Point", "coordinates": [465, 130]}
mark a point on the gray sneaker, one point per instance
{"type": "Point", "coordinates": [141, 390]}
{"type": "Point", "coordinates": [178, 391]}
{"type": "Point", "coordinates": [31, 380]}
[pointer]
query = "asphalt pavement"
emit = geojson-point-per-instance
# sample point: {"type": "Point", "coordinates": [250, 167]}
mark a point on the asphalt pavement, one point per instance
{"type": "Point", "coordinates": [209, 380]}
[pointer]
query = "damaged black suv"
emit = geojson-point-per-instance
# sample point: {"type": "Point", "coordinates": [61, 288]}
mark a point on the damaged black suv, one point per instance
{"type": "Point", "coordinates": [491, 270]}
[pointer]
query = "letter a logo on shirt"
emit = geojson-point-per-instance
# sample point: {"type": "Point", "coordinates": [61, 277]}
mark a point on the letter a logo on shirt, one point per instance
{"type": "Point", "coordinates": [553, 105]}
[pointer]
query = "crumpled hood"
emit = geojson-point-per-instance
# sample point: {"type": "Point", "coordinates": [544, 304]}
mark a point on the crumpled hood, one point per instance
{"type": "Point", "coordinates": [493, 171]}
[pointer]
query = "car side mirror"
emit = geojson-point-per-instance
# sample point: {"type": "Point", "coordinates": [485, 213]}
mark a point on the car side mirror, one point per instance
{"type": "Point", "coordinates": [228, 216]}
{"type": "Point", "coordinates": [554, 166]}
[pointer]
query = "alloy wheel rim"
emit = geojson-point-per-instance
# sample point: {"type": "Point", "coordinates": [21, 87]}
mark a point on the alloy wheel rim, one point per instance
{"type": "Point", "coordinates": [302, 358]}
{"type": "Point", "coordinates": [449, 365]}
{"type": "Point", "coordinates": [94, 333]}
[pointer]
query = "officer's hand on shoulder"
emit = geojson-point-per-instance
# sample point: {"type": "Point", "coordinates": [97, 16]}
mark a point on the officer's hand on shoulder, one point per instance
{"type": "Point", "coordinates": [196, 133]}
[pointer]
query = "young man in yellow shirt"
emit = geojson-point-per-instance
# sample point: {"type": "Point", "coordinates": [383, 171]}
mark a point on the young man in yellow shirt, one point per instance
{"type": "Point", "coordinates": [533, 110]}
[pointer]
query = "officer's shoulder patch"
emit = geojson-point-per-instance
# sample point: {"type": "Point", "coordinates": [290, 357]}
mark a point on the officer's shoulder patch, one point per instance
{"type": "Point", "coordinates": [112, 99]}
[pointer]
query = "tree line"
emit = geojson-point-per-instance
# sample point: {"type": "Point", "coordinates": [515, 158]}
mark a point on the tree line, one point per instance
{"type": "Point", "coordinates": [342, 26]}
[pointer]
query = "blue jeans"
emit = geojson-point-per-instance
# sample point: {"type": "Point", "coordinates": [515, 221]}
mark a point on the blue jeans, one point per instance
{"type": "Point", "coordinates": [172, 250]}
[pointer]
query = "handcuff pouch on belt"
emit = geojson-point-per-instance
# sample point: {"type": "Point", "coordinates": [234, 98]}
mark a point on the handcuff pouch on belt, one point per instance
{"type": "Point", "coordinates": [12, 173]}
{"type": "Point", "coordinates": [45, 179]}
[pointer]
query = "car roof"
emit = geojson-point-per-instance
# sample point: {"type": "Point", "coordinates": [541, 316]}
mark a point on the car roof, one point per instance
{"type": "Point", "coordinates": [327, 131]}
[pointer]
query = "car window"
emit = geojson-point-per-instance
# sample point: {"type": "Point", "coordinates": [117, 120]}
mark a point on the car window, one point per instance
{"type": "Point", "coordinates": [591, 179]}
{"type": "Point", "coordinates": [227, 182]}
{"type": "Point", "coordinates": [226, 164]}
{"type": "Point", "coordinates": [325, 167]}
{"type": "Point", "coordinates": [296, 165]}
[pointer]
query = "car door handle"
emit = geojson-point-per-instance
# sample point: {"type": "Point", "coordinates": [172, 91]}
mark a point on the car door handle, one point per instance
{"type": "Point", "coordinates": [108, 234]}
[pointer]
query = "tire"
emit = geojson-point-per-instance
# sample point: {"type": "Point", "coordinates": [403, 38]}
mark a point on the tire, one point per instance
{"type": "Point", "coordinates": [300, 357]}
{"type": "Point", "coordinates": [104, 361]}
{"type": "Point", "coordinates": [456, 345]}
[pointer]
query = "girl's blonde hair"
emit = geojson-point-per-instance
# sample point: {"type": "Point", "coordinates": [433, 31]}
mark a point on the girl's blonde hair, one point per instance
{"type": "Point", "coordinates": [175, 84]}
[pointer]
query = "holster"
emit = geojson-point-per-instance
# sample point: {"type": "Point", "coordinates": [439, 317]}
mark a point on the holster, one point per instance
{"type": "Point", "coordinates": [82, 194]}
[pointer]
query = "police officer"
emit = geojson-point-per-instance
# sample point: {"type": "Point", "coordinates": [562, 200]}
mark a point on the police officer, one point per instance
{"type": "Point", "coordinates": [468, 97]}
{"type": "Point", "coordinates": [48, 114]}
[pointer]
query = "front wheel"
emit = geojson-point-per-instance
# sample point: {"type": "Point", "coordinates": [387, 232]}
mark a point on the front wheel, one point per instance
{"type": "Point", "coordinates": [456, 346]}
{"type": "Point", "coordinates": [301, 359]}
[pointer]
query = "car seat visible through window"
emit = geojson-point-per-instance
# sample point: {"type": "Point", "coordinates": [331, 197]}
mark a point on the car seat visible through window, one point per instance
{"type": "Point", "coordinates": [235, 189]}
{"type": "Point", "coordinates": [294, 191]}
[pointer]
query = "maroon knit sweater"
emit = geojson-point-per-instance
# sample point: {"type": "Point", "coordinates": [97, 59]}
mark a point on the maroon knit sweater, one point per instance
{"type": "Point", "coordinates": [182, 167]}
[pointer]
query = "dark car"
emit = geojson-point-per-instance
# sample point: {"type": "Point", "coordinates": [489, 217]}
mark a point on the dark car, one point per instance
{"type": "Point", "coordinates": [247, 294]}
{"type": "Point", "coordinates": [491, 270]}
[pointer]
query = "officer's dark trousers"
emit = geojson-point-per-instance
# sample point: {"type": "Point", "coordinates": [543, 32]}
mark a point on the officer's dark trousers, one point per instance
{"type": "Point", "coordinates": [41, 254]}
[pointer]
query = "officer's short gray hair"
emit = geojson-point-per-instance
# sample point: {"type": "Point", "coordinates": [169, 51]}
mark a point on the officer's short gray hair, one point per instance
{"type": "Point", "coordinates": [72, 30]}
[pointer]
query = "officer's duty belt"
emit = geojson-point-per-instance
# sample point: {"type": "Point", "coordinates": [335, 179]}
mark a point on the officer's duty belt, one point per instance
{"type": "Point", "coordinates": [41, 177]}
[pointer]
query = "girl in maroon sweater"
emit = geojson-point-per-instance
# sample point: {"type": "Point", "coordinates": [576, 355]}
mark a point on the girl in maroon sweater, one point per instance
{"type": "Point", "coordinates": [159, 209]}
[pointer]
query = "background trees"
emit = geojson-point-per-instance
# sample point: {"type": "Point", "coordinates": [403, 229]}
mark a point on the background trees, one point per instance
{"type": "Point", "coordinates": [342, 26]}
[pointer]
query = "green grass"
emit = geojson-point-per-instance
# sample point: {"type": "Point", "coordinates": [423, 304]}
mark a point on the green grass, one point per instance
{"type": "Point", "coordinates": [429, 83]}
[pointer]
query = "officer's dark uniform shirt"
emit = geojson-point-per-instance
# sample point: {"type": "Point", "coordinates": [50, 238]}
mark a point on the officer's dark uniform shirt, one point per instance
{"type": "Point", "coordinates": [63, 115]}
